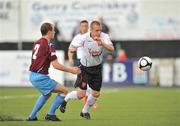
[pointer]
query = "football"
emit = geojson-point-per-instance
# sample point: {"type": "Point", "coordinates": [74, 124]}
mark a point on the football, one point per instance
{"type": "Point", "coordinates": [145, 63]}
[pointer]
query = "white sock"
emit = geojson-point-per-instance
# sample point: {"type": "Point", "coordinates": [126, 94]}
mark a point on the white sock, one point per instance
{"type": "Point", "coordinates": [71, 96]}
{"type": "Point", "coordinates": [88, 91]}
{"type": "Point", "coordinates": [90, 101]}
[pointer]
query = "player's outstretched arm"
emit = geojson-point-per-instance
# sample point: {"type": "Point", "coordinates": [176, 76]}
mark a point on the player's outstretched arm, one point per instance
{"type": "Point", "coordinates": [109, 47]}
{"type": "Point", "coordinates": [58, 66]}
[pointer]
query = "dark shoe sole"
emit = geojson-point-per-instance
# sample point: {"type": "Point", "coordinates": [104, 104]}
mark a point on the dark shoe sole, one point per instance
{"type": "Point", "coordinates": [85, 117]}
{"type": "Point", "coordinates": [29, 119]}
{"type": "Point", "coordinates": [51, 118]}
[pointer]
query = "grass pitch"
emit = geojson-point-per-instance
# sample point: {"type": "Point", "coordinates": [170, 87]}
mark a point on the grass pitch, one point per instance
{"type": "Point", "coordinates": [117, 107]}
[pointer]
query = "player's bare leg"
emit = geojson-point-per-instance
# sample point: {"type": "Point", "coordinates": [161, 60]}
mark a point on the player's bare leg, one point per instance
{"type": "Point", "coordinates": [84, 99]}
{"type": "Point", "coordinates": [74, 95]}
{"type": "Point", "coordinates": [90, 101]}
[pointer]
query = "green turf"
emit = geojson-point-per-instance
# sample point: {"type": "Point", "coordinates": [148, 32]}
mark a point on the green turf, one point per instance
{"type": "Point", "coordinates": [117, 107]}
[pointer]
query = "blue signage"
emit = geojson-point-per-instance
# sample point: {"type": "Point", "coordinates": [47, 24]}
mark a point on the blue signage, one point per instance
{"type": "Point", "coordinates": [123, 73]}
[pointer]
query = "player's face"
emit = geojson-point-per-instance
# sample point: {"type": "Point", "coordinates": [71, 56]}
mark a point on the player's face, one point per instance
{"type": "Point", "coordinates": [96, 30]}
{"type": "Point", "coordinates": [51, 33]}
{"type": "Point", "coordinates": [84, 28]}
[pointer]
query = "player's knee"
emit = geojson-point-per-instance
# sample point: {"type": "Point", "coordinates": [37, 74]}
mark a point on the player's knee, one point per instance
{"type": "Point", "coordinates": [96, 94]}
{"type": "Point", "coordinates": [47, 96]}
{"type": "Point", "coordinates": [81, 95]}
{"type": "Point", "coordinates": [65, 91]}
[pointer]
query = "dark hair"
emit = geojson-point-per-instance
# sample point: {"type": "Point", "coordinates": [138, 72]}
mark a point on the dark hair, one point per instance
{"type": "Point", "coordinates": [95, 23]}
{"type": "Point", "coordinates": [84, 21]}
{"type": "Point", "coordinates": [45, 27]}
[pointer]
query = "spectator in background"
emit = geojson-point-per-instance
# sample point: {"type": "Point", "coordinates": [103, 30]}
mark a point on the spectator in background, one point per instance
{"type": "Point", "coordinates": [76, 29]}
{"type": "Point", "coordinates": [109, 57]}
{"type": "Point", "coordinates": [58, 36]}
{"type": "Point", "coordinates": [105, 27]}
{"type": "Point", "coordinates": [122, 55]}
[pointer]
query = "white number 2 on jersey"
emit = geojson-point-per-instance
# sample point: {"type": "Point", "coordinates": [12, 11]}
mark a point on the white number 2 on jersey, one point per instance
{"type": "Point", "coordinates": [36, 48]}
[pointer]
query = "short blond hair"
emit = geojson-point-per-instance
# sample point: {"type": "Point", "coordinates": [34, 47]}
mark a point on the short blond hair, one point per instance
{"type": "Point", "coordinates": [95, 23]}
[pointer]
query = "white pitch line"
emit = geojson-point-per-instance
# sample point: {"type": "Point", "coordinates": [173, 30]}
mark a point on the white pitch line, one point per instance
{"type": "Point", "coordinates": [15, 97]}
{"type": "Point", "coordinates": [32, 96]}
{"type": "Point", "coordinates": [110, 90]}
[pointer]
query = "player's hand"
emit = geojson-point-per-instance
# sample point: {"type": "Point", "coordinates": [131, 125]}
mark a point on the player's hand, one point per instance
{"type": "Point", "coordinates": [98, 40]}
{"type": "Point", "coordinates": [75, 70]}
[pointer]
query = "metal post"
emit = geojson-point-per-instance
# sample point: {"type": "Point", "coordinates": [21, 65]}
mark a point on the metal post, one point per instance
{"type": "Point", "coordinates": [19, 26]}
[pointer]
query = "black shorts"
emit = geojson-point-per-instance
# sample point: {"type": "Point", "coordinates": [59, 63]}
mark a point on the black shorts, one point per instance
{"type": "Point", "coordinates": [91, 76]}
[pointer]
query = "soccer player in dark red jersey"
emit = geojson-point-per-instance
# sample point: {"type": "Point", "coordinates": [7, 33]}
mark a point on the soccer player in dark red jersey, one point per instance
{"type": "Point", "coordinates": [43, 54]}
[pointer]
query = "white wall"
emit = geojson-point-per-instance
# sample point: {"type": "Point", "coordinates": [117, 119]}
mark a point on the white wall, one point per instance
{"type": "Point", "coordinates": [128, 19]}
{"type": "Point", "coordinates": [165, 72]}
{"type": "Point", "coordinates": [14, 68]}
